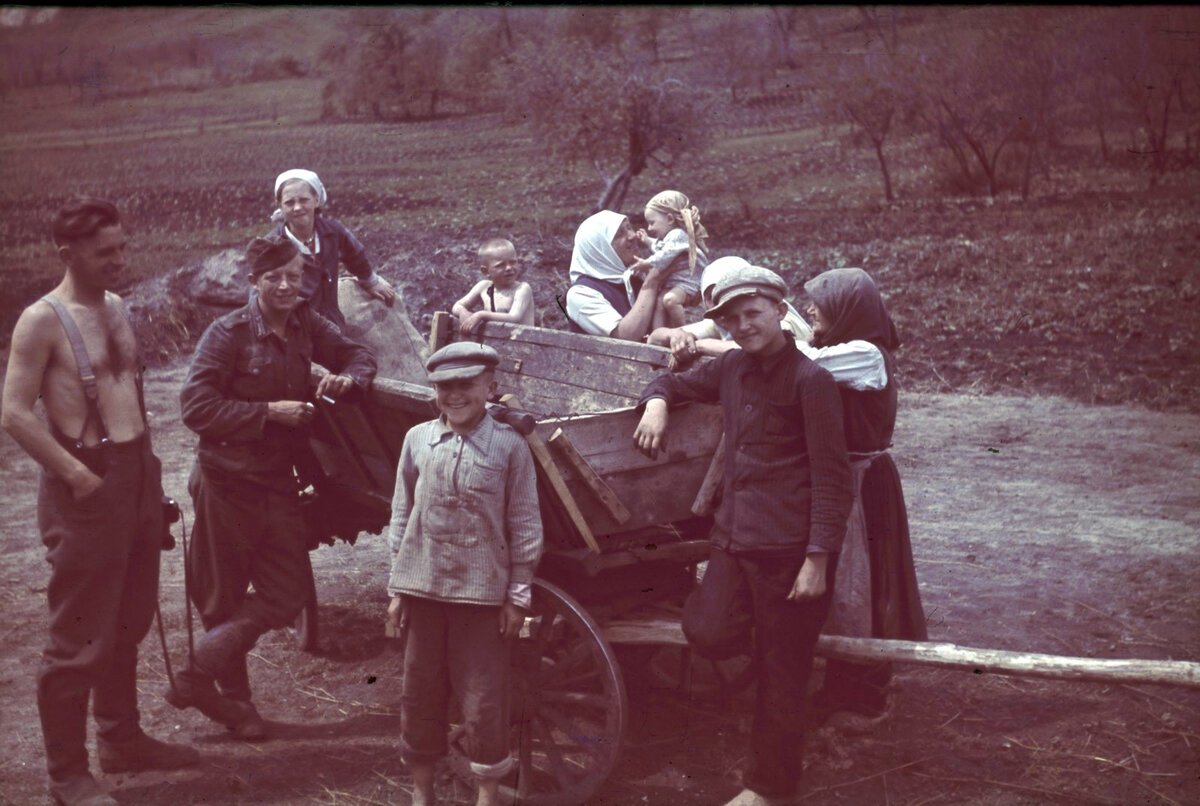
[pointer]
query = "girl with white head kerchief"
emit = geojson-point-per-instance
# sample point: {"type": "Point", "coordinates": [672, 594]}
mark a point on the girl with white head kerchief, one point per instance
{"type": "Point", "coordinates": [706, 337]}
{"type": "Point", "coordinates": [324, 243]}
{"type": "Point", "coordinates": [601, 300]}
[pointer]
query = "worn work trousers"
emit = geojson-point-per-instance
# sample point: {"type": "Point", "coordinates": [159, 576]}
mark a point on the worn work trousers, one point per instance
{"type": "Point", "coordinates": [742, 596]}
{"type": "Point", "coordinates": [455, 649]}
{"type": "Point", "coordinates": [103, 552]}
{"type": "Point", "coordinates": [246, 535]}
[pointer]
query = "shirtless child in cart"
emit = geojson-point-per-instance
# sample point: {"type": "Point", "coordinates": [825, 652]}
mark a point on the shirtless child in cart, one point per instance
{"type": "Point", "coordinates": [504, 298]}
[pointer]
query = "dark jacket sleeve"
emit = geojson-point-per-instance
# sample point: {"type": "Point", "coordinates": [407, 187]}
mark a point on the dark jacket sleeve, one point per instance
{"type": "Point", "coordinates": [351, 251]}
{"type": "Point", "coordinates": [701, 382]}
{"type": "Point", "coordinates": [206, 407]}
{"type": "Point", "coordinates": [342, 355]}
{"type": "Point", "coordinates": [832, 481]}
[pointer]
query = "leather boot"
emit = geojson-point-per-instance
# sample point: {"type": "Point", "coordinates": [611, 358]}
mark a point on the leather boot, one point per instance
{"type": "Point", "coordinates": [234, 683]}
{"type": "Point", "coordinates": [144, 753]}
{"type": "Point", "coordinates": [193, 688]}
{"type": "Point", "coordinates": [80, 790]}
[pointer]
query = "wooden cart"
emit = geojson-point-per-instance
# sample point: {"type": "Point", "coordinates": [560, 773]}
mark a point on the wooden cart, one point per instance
{"type": "Point", "coordinates": [622, 536]}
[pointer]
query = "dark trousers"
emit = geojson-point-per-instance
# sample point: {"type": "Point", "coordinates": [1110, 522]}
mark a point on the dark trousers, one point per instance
{"type": "Point", "coordinates": [454, 649]}
{"type": "Point", "coordinates": [103, 552]}
{"type": "Point", "coordinates": [741, 597]}
{"type": "Point", "coordinates": [245, 535]}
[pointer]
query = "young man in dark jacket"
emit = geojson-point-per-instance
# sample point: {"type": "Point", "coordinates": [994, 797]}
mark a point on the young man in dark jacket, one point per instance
{"type": "Point", "coordinates": [249, 396]}
{"type": "Point", "coordinates": [787, 494]}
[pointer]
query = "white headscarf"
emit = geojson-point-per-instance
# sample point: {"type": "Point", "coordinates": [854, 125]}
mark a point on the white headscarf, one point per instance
{"type": "Point", "coordinates": [594, 255]}
{"type": "Point", "coordinates": [714, 271]}
{"type": "Point", "coordinates": [311, 178]}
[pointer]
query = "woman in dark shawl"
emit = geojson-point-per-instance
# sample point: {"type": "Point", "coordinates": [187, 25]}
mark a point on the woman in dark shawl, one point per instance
{"type": "Point", "coordinates": [854, 338]}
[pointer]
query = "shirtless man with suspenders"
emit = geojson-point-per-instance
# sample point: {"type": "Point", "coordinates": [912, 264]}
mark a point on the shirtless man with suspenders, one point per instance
{"type": "Point", "coordinates": [100, 508]}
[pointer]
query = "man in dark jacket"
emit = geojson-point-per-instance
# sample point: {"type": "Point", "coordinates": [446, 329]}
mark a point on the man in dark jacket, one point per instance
{"type": "Point", "coordinates": [787, 494]}
{"type": "Point", "coordinates": [248, 395]}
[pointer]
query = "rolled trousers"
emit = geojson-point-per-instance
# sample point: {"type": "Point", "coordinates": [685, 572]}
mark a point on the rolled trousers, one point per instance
{"type": "Point", "coordinates": [455, 649]}
{"type": "Point", "coordinates": [103, 552]}
{"type": "Point", "coordinates": [740, 604]}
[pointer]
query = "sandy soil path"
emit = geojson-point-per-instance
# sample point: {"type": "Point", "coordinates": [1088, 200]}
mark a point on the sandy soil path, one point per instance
{"type": "Point", "coordinates": [1038, 524]}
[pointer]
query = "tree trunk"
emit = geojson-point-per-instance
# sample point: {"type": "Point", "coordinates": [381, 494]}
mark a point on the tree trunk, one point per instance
{"type": "Point", "coordinates": [614, 191]}
{"type": "Point", "coordinates": [887, 177]}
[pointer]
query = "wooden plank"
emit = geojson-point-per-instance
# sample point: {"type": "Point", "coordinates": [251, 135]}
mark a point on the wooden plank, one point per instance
{"type": "Point", "coordinates": [580, 369]}
{"type": "Point", "coordinates": [546, 398]}
{"type": "Point", "coordinates": [654, 491]}
{"type": "Point", "coordinates": [712, 481]}
{"type": "Point", "coordinates": [556, 372]}
{"type": "Point", "coordinates": [555, 339]}
{"type": "Point", "coordinates": [590, 477]}
{"type": "Point", "coordinates": [949, 656]}
{"type": "Point", "coordinates": [537, 444]}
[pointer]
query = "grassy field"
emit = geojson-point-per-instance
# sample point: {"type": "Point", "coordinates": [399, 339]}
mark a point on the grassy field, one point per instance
{"type": "Point", "coordinates": [1088, 289]}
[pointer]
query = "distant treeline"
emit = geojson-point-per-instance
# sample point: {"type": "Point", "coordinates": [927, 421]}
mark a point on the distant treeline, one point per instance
{"type": "Point", "coordinates": [1000, 91]}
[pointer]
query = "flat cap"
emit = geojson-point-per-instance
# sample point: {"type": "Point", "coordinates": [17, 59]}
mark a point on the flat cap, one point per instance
{"type": "Point", "coordinates": [744, 281]}
{"type": "Point", "coordinates": [462, 359]}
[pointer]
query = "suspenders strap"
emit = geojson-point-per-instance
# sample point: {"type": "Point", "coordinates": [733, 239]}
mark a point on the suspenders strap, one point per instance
{"type": "Point", "coordinates": [86, 375]}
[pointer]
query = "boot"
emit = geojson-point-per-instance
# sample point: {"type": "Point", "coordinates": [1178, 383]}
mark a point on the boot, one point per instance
{"type": "Point", "coordinates": [194, 688]}
{"type": "Point", "coordinates": [144, 753]}
{"type": "Point", "coordinates": [80, 790]}
{"type": "Point", "coordinates": [234, 683]}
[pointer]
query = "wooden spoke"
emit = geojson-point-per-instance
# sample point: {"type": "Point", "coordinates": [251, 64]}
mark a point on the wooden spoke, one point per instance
{"type": "Point", "coordinates": [569, 706]}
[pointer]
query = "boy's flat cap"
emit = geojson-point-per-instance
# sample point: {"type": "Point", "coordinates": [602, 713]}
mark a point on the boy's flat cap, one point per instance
{"type": "Point", "coordinates": [746, 281]}
{"type": "Point", "coordinates": [462, 359]}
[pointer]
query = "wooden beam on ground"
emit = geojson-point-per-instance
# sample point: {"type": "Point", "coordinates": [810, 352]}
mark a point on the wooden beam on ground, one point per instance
{"type": "Point", "coordinates": [703, 503]}
{"type": "Point", "coordinates": [542, 454]}
{"type": "Point", "coordinates": [951, 656]}
{"type": "Point", "coordinates": [590, 477]}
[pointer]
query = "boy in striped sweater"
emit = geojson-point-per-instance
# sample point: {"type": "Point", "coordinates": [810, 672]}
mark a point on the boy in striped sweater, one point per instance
{"type": "Point", "coordinates": [465, 538]}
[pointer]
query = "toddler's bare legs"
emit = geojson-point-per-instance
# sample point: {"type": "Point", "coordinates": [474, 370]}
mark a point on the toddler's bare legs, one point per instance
{"type": "Point", "coordinates": [489, 792]}
{"type": "Point", "coordinates": [671, 303]}
{"type": "Point", "coordinates": [422, 784]}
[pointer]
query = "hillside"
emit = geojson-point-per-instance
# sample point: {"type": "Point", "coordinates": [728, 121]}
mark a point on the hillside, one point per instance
{"type": "Point", "coordinates": [1034, 296]}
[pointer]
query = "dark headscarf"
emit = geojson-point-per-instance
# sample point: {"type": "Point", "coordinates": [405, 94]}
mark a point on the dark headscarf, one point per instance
{"type": "Point", "coordinates": [850, 301]}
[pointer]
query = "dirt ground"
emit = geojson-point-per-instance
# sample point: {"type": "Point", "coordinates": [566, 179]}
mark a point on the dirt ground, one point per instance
{"type": "Point", "coordinates": [1038, 524]}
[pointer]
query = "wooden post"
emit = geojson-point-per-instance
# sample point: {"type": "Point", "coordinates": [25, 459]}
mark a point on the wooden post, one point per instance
{"type": "Point", "coordinates": [712, 481]}
{"type": "Point", "coordinates": [590, 477]}
{"type": "Point", "coordinates": [542, 454]}
{"type": "Point", "coordinates": [442, 331]}
{"type": "Point", "coordinates": [950, 656]}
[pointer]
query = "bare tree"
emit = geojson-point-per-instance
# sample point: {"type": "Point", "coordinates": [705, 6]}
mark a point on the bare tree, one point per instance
{"type": "Point", "coordinates": [585, 108]}
{"type": "Point", "coordinates": [1154, 59]}
{"type": "Point", "coordinates": [977, 99]}
{"type": "Point", "coordinates": [872, 94]}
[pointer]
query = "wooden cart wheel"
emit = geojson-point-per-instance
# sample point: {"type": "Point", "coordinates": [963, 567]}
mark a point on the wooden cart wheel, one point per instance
{"type": "Point", "coordinates": [568, 705]}
{"type": "Point", "coordinates": [305, 627]}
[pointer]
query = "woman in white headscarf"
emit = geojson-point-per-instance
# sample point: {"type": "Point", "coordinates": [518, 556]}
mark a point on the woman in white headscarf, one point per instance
{"type": "Point", "coordinates": [323, 242]}
{"type": "Point", "coordinates": [601, 300]}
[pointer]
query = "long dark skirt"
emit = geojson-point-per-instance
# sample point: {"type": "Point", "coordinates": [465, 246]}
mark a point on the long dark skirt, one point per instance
{"type": "Point", "coordinates": [896, 610]}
